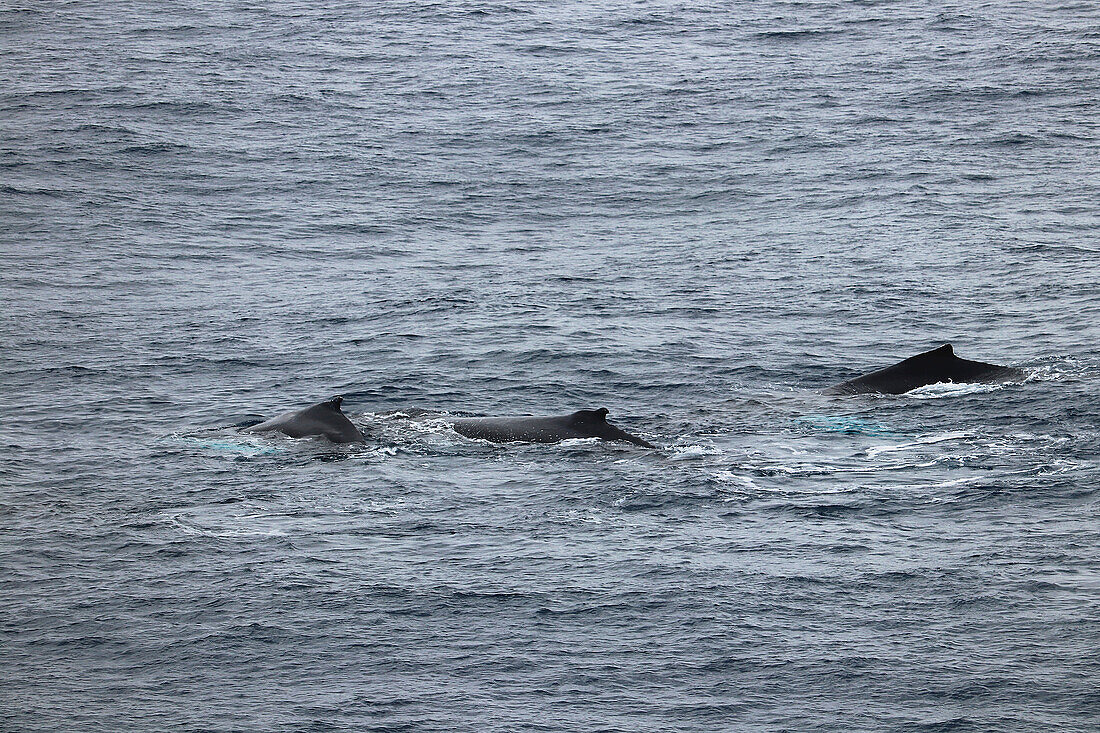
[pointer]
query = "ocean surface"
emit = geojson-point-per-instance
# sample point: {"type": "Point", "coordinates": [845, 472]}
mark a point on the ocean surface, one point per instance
{"type": "Point", "coordinates": [697, 215]}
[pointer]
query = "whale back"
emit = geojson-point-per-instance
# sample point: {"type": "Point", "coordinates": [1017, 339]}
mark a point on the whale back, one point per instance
{"type": "Point", "coordinates": [931, 367]}
{"type": "Point", "coordinates": [322, 419]}
{"type": "Point", "coordinates": [552, 429]}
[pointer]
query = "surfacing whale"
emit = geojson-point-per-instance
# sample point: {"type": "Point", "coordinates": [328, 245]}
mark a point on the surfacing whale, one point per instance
{"type": "Point", "coordinates": [931, 367]}
{"type": "Point", "coordinates": [580, 424]}
{"type": "Point", "coordinates": [324, 419]}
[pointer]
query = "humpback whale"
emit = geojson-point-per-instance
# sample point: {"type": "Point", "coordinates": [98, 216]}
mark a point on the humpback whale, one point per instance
{"type": "Point", "coordinates": [931, 367]}
{"type": "Point", "coordinates": [580, 424]}
{"type": "Point", "coordinates": [324, 418]}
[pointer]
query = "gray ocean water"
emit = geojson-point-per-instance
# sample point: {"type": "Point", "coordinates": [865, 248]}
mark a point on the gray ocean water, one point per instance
{"type": "Point", "coordinates": [695, 215]}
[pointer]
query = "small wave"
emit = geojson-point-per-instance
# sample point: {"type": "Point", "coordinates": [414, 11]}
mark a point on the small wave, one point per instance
{"type": "Point", "coordinates": [182, 107]}
{"type": "Point", "coordinates": [797, 34]}
{"type": "Point", "coordinates": [651, 19]}
{"type": "Point", "coordinates": [155, 148]}
{"type": "Point", "coordinates": [590, 515]}
{"type": "Point", "coordinates": [1055, 247]}
{"type": "Point", "coordinates": [920, 442]}
{"type": "Point", "coordinates": [945, 484]}
{"type": "Point", "coordinates": [729, 477]}
{"type": "Point", "coordinates": [188, 523]}
{"type": "Point", "coordinates": [9, 190]}
{"type": "Point", "coordinates": [1060, 466]}
{"type": "Point", "coordinates": [741, 484]}
{"type": "Point", "coordinates": [1012, 140]}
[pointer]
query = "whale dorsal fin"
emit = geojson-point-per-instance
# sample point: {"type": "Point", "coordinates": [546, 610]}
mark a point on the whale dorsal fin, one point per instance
{"type": "Point", "coordinates": [334, 403]}
{"type": "Point", "coordinates": [590, 416]}
{"type": "Point", "coordinates": [935, 355]}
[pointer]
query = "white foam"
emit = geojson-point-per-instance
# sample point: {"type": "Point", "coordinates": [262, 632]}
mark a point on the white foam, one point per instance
{"type": "Point", "coordinates": [939, 390]}
{"type": "Point", "coordinates": [730, 477]}
{"type": "Point", "coordinates": [570, 442]}
{"type": "Point", "coordinates": [1063, 465]}
{"type": "Point", "coordinates": [919, 442]}
{"type": "Point", "coordinates": [238, 526]}
{"type": "Point", "coordinates": [688, 452]}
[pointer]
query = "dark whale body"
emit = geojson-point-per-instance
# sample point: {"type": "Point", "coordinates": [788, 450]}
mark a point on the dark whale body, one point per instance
{"type": "Point", "coordinates": [931, 367]}
{"type": "Point", "coordinates": [581, 424]}
{"type": "Point", "coordinates": [324, 419]}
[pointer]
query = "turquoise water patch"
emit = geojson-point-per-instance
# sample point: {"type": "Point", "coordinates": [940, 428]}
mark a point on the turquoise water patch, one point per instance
{"type": "Point", "coordinates": [842, 424]}
{"type": "Point", "coordinates": [244, 448]}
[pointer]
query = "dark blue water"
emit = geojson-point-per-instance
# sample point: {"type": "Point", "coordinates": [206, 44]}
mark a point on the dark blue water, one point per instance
{"type": "Point", "coordinates": [693, 215]}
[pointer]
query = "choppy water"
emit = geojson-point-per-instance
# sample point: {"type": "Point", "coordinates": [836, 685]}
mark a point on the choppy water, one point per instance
{"type": "Point", "coordinates": [693, 215]}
